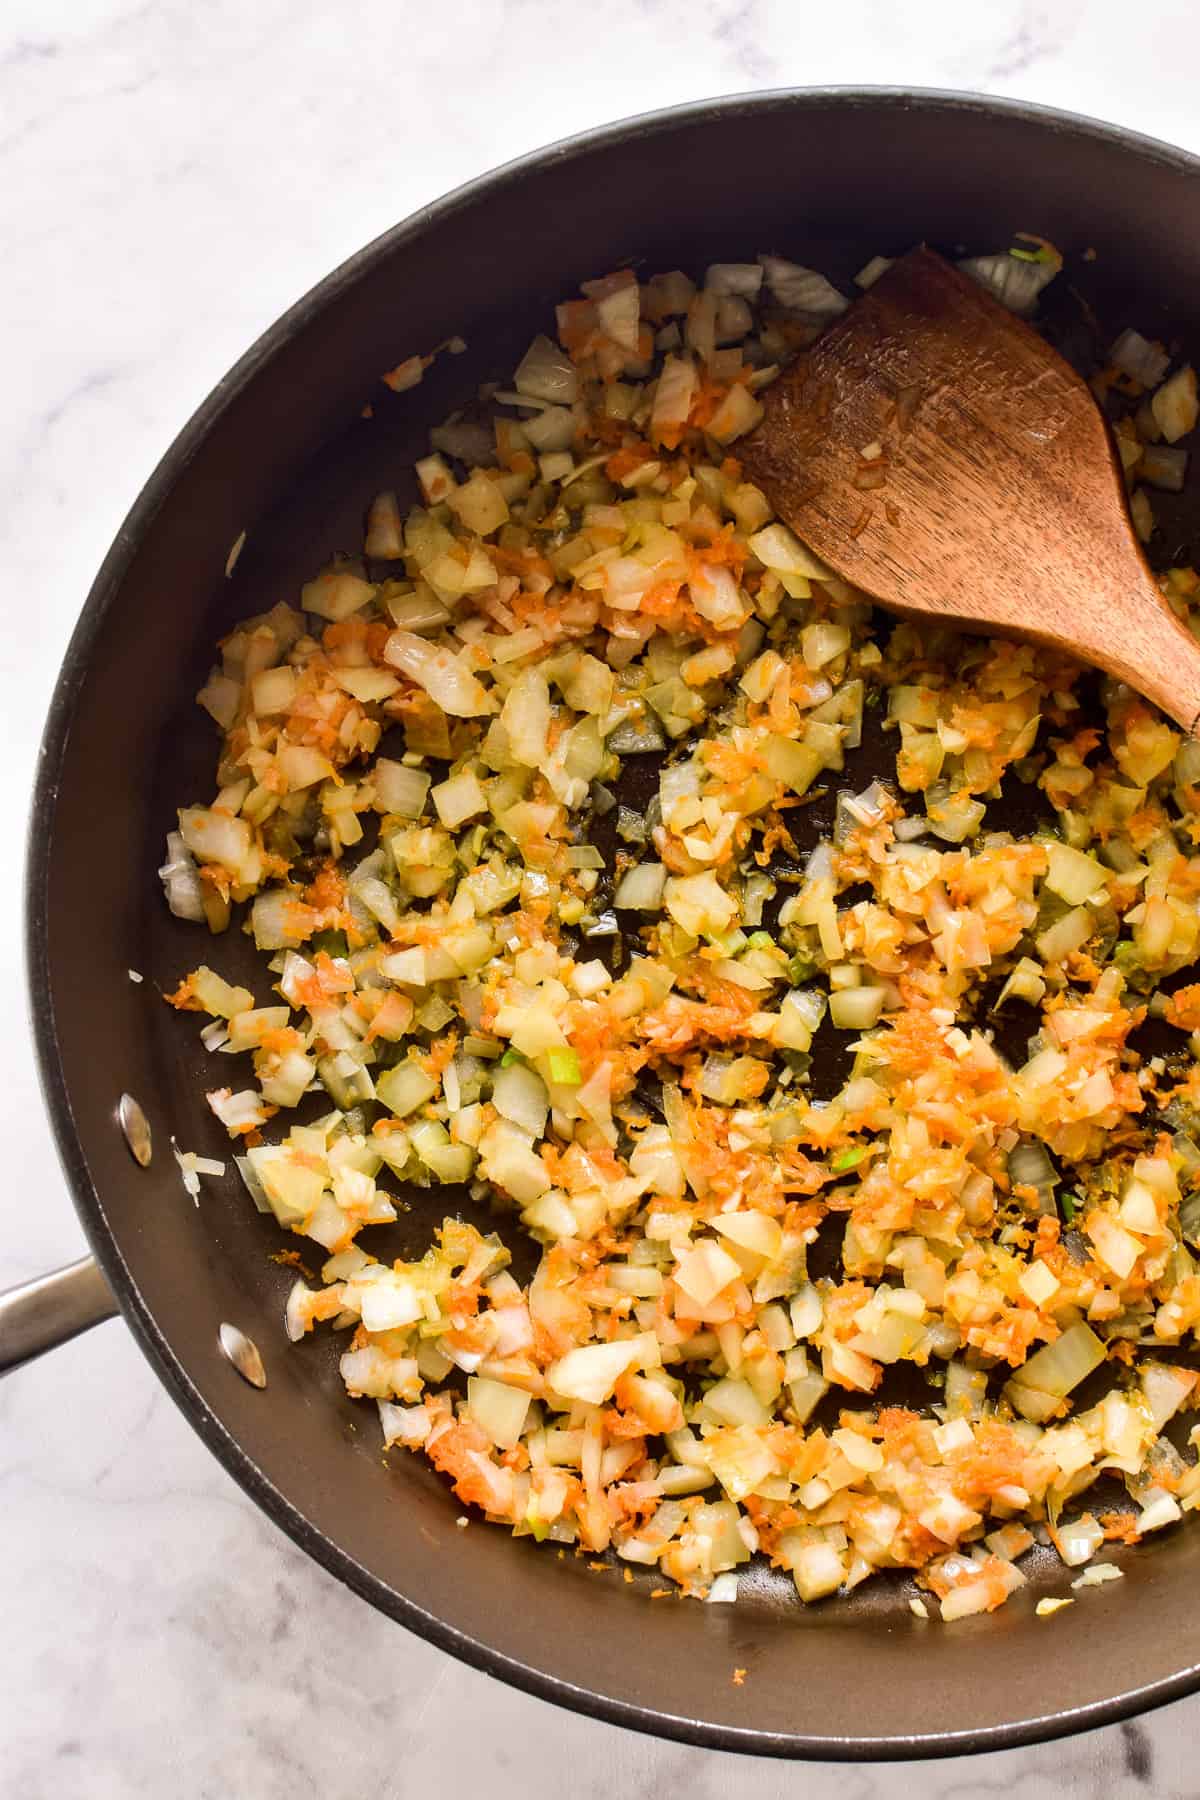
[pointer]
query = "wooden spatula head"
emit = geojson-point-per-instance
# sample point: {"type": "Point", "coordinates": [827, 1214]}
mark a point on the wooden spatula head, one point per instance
{"type": "Point", "coordinates": [936, 452]}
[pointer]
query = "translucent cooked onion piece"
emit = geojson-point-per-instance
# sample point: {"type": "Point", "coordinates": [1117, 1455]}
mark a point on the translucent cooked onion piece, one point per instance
{"type": "Point", "coordinates": [1135, 356]}
{"type": "Point", "coordinates": [442, 673]}
{"type": "Point", "coordinates": [1015, 281]}
{"type": "Point", "coordinates": [1051, 1373]}
{"type": "Point", "coordinates": [1175, 406]}
{"type": "Point", "coordinates": [802, 290]}
{"type": "Point", "coordinates": [545, 373]}
{"type": "Point", "coordinates": [181, 880]}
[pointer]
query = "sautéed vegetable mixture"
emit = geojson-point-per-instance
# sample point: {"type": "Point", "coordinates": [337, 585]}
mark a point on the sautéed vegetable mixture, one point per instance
{"type": "Point", "coordinates": [519, 802]}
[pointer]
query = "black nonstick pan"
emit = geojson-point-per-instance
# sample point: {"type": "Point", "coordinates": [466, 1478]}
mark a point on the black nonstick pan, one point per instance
{"type": "Point", "coordinates": [283, 452]}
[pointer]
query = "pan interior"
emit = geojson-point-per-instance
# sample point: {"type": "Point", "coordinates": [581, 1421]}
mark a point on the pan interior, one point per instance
{"type": "Point", "coordinates": [285, 454]}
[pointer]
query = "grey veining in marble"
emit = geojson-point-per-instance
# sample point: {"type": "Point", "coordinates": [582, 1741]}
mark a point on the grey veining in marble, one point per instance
{"type": "Point", "coordinates": [173, 175]}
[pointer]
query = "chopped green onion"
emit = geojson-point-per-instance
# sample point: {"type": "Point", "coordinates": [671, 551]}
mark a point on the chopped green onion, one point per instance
{"type": "Point", "coordinates": [563, 1067]}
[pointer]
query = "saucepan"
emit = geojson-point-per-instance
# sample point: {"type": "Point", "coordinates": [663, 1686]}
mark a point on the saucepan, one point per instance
{"type": "Point", "coordinates": [283, 453]}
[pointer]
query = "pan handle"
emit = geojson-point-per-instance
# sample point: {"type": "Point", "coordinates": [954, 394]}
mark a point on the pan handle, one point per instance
{"type": "Point", "coordinates": [39, 1315]}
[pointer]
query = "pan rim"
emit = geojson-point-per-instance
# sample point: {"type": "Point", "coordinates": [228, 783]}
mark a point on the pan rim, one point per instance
{"type": "Point", "coordinates": [153, 1341]}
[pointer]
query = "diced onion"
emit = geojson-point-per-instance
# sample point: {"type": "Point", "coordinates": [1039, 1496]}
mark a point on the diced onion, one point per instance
{"type": "Point", "coordinates": [641, 888]}
{"type": "Point", "coordinates": [802, 290]}
{"type": "Point", "coordinates": [1059, 1367]}
{"type": "Point", "coordinates": [1133, 355]}
{"type": "Point", "coordinates": [1175, 405]}
{"type": "Point", "coordinates": [545, 373]}
{"type": "Point", "coordinates": [181, 880]}
{"type": "Point", "coordinates": [441, 673]}
{"type": "Point", "coordinates": [1012, 281]}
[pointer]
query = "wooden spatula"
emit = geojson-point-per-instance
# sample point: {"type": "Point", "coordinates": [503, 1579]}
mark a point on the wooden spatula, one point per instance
{"type": "Point", "coordinates": [936, 452]}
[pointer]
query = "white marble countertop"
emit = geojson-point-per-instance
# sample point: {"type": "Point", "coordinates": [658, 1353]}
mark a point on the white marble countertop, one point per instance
{"type": "Point", "coordinates": [172, 176]}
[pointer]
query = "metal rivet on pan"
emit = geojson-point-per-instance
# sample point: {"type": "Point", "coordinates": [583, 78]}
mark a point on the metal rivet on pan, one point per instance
{"type": "Point", "coordinates": [136, 1127]}
{"type": "Point", "coordinates": [243, 1354]}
